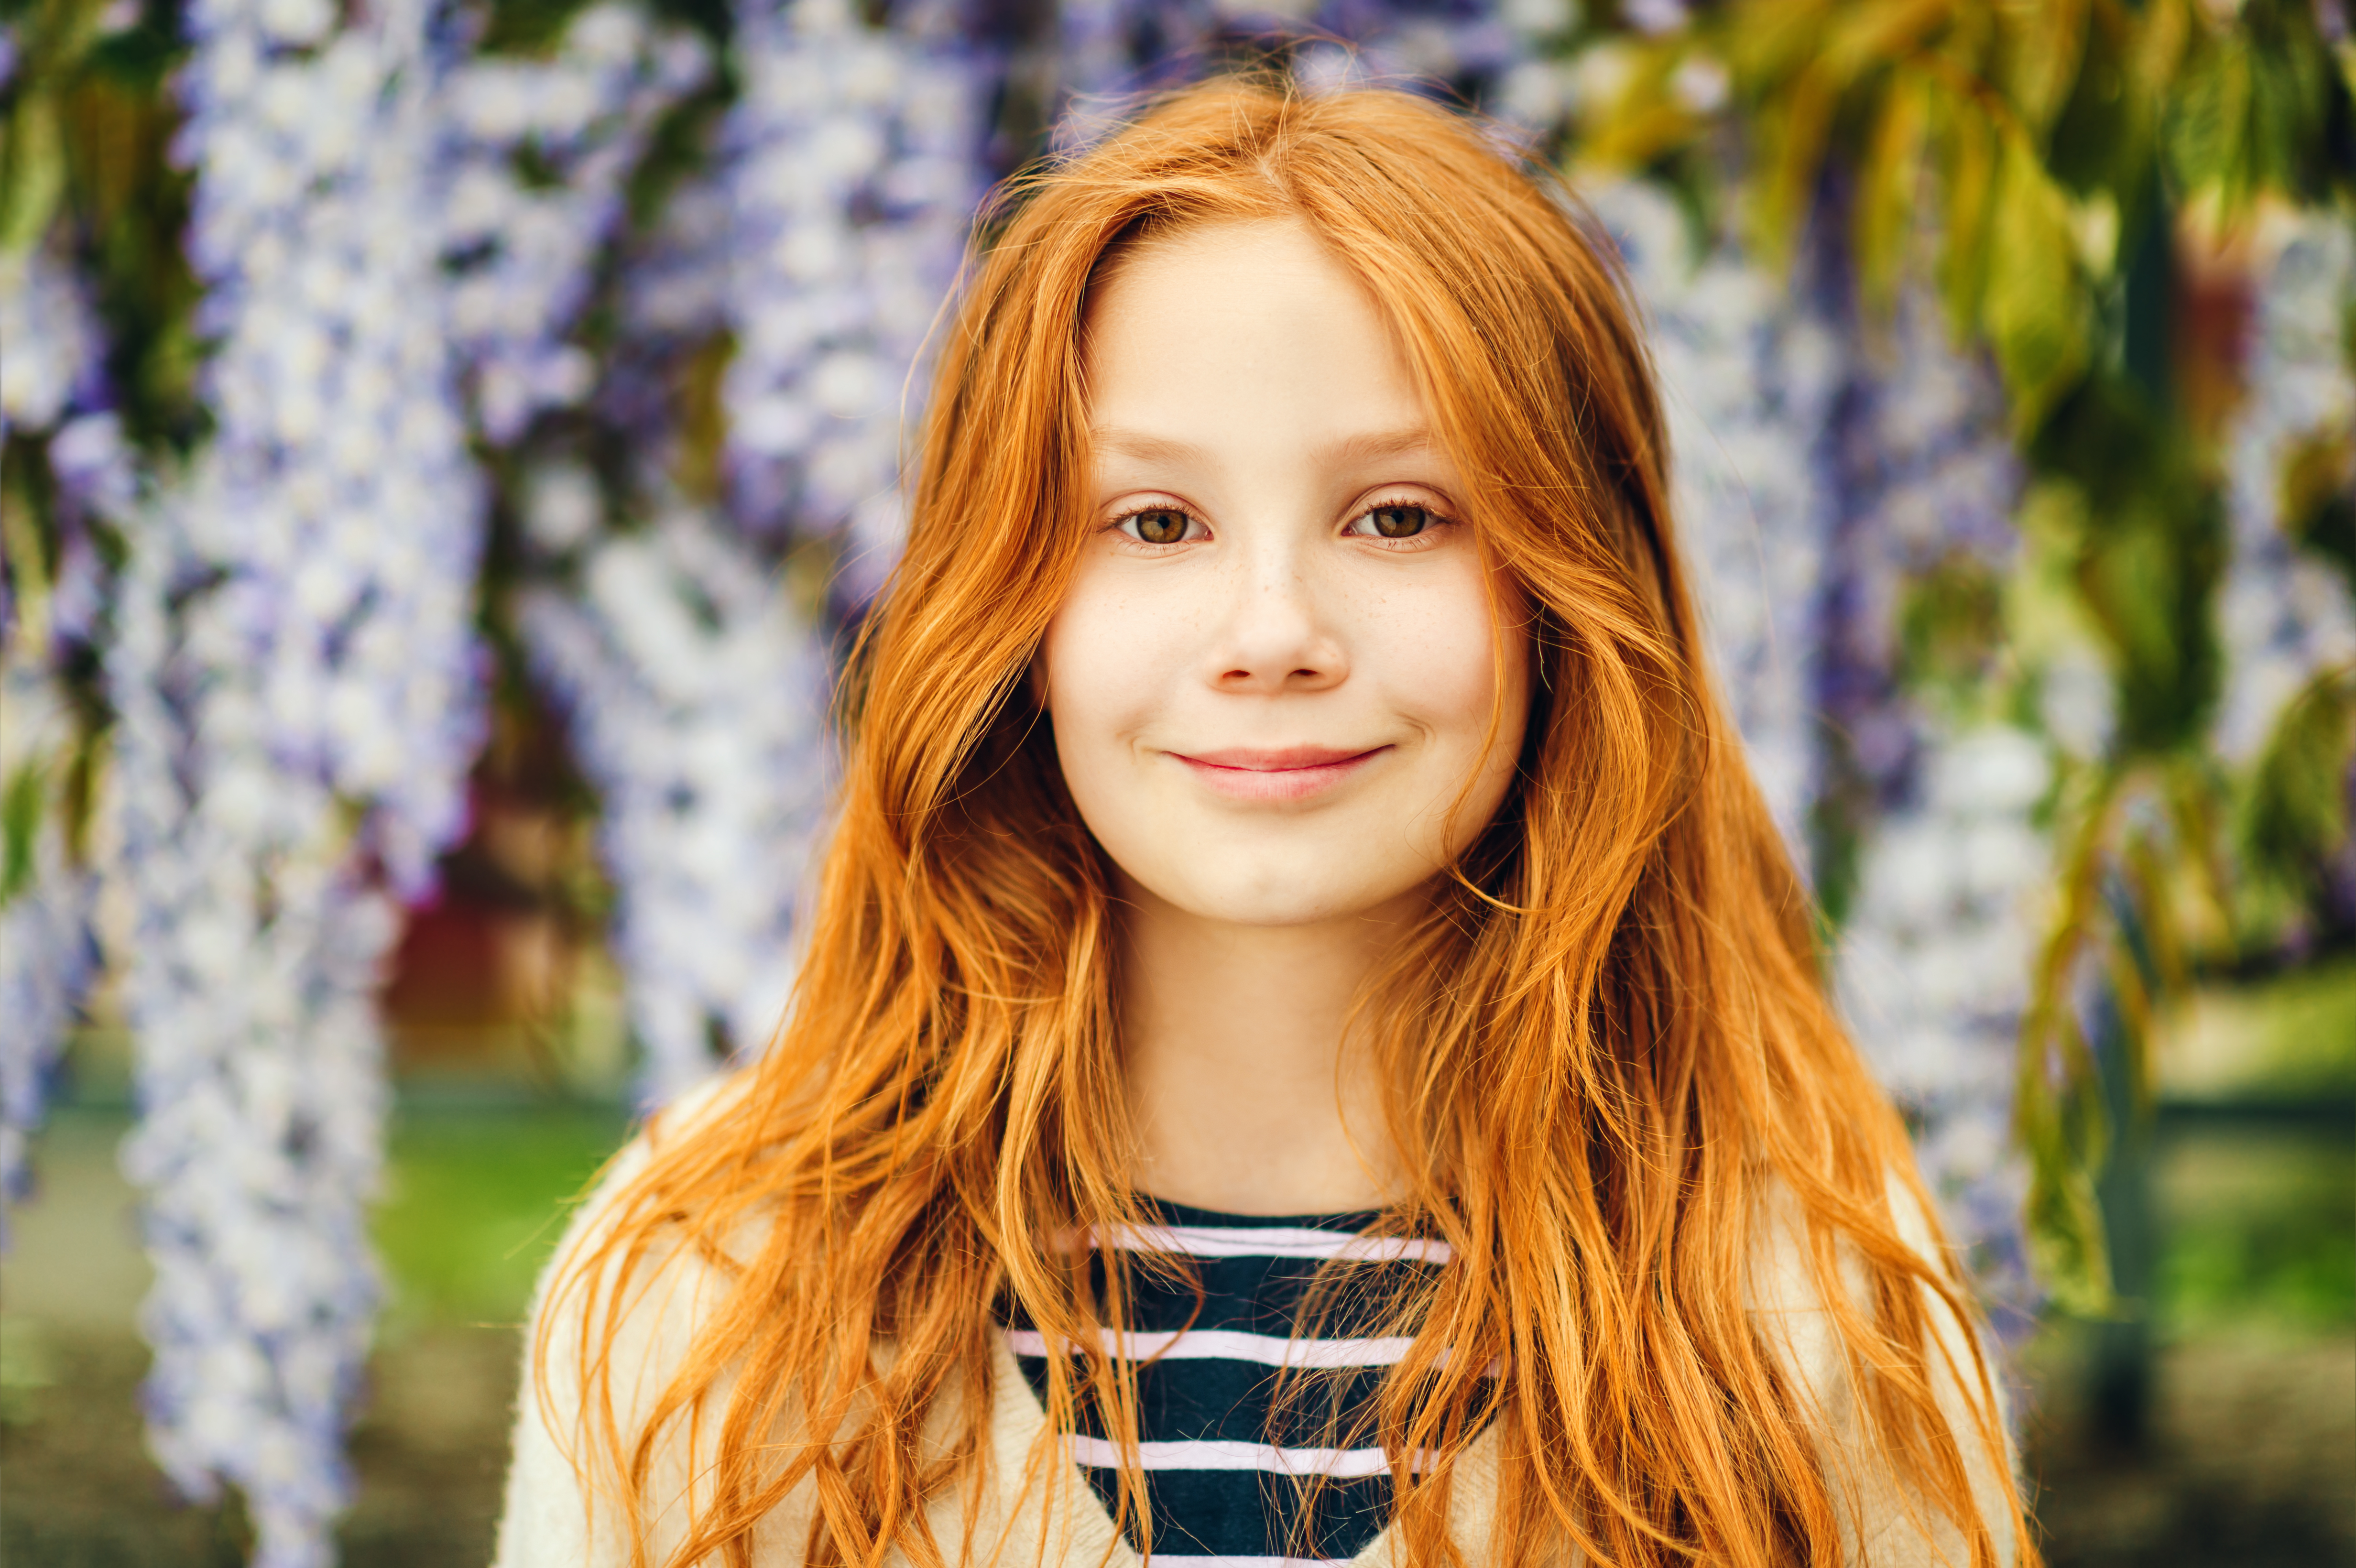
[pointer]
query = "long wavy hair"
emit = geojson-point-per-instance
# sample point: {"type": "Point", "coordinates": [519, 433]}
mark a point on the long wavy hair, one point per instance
{"type": "Point", "coordinates": [1606, 1051]}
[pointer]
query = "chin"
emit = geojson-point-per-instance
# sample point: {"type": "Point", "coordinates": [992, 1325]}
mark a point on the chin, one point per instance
{"type": "Point", "coordinates": [1283, 896]}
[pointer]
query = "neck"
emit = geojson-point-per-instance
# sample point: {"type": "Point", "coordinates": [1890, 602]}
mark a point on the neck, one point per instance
{"type": "Point", "coordinates": [1246, 1097]}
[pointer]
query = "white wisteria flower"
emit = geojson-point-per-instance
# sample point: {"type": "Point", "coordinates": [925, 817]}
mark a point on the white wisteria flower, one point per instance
{"type": "Point", "coordinates": [524, 250]}
{"type": "Point", "coordinates": [2284, 614]}
{"type": "Point", "coordinates": [52, 342]}
{"type": "Point", "coordinates": [852, 160]}
{"type": "Point", "coordinates": [1933, 970]}
{"type": "Point", "coordinates": [1748, 379]}
{"type": "Point", "coordinates": [696, 696]}
{"type": "Point", "coordinates": [1934, 961]}
{"type": "Point", "coordinates": [298, 698]}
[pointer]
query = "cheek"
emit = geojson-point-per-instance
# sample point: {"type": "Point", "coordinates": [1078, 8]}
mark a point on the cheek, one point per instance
{"type": "Point", "coordinates": [1446, 672]}
{"type": "Point", "coordinates": [1098, 672]}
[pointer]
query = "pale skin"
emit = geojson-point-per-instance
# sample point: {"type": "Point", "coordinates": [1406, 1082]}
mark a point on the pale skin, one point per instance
{"type": "Point", "coordinates": [1280, 698]}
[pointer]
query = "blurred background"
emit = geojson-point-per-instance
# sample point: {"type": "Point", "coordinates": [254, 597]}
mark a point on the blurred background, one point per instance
{"type": "Point", "coordinates": [447, 443]}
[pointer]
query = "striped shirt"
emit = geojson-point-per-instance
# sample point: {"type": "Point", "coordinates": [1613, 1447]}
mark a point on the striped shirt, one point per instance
{"type": "Point", "coordinates": [1225, 1488]}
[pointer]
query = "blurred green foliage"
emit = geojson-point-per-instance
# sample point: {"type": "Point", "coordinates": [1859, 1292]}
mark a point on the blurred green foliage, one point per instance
{"type": "Point", "coordinates": [2059, 173]}
{"type": "Point", "coordinates": [476, 1200]}
{"type": "Point", "coordinates": [2260, 1233]}
{"type": "Point", "coordinates": [2260, 1222]}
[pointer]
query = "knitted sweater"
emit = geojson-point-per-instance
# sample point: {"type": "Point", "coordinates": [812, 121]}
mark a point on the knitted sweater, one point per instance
{"type": "Point", "coordinates": [551, 1521]}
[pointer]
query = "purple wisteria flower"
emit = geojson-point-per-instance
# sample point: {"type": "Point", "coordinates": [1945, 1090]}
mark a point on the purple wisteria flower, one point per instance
{"type": "Point", "coordinates": [1748, 379]}
{"type": "Point", "coordinates": [697, 698]}
{"type": "Point", "coordinates": [854, 168]}
{"type": "Point", "coordinates": [1822, 463]}
{"type": "Point", "coordinates": [524, 250]}
{"type": "Point", "coordinates": [1941, 790]}
{"type": "Point", "coordinates": [298, 697]}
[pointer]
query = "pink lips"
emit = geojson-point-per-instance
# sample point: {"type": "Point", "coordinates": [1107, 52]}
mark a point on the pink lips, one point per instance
{"type": "Point", "coordinates": [1289, 773]}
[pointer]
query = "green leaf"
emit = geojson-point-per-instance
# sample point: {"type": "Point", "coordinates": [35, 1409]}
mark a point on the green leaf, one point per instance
{"type": "Point", "coordinates": [32, 172]}
{"type": "Point", "coordinates": [1968, 175]}
{"type": "Point", "coordinates": [2035, 311]}
{"type": "Point", "coordinates": [1868, 37]}
{"type": "Point", "coordinates": [2294, 812]}
{"type": "Point", "coordinates": [528, 27]}
{"type": "Point", "coordinates": [1771, 39]}
{"type": "Point", "coordinates": [2067, 1250]}
{"type": "Point", "coordinates": [1889, 186]}
{"type": "Point", "coordinates": [2319, 497]}
{"type": "Point", "coordinates": [2062, 1130]}
{"type": "Point", "coordinates": [2058, 1111]}
{"type": "Point", "coordinates": [2043, 44]}
{"type": "Point", "coordinates": [1792, 136]}
{"type": "Point", "coordinates": [2206, 131]}
{"type": "Point", "coordinates": [20, 828]}
{"type": "Point", "coordinates": [1950, 632]}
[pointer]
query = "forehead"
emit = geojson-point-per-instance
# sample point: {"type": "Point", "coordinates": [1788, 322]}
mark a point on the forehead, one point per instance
{"type": "Point", "coordinates": [1242, 330]}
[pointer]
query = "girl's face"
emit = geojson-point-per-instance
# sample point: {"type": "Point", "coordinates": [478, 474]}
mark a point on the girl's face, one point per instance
{"type": "Point", "coordinates": [1276, 684]}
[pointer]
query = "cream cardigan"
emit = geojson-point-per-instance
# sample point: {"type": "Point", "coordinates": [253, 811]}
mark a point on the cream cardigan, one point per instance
{"type": "Point", "coordinates": [551, 1522]}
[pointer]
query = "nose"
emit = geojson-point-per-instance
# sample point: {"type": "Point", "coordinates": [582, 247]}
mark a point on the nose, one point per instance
{"type": "Point", "coordinates": [1277, 634]}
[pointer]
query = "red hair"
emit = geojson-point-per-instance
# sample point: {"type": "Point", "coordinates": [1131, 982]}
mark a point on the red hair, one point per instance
{"type": "Point", "coordinates": [1607, 1052]}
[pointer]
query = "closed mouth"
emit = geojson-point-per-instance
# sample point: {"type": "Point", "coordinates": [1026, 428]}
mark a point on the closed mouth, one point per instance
{"type": "Point", "coordinates": [1283, 774]}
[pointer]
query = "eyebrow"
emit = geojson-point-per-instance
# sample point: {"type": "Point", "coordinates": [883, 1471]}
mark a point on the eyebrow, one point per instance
{"type": "Point", "coordinates": [1370, 447]}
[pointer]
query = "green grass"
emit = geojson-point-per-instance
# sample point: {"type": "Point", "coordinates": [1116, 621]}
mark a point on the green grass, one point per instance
{"type": "Point", "coordinates": [475, 1201]}
{"type": "Point", "coordinates": [2310, 1033]}
{"type": "Point", "coordinates": [2289, 1034]}
{"type": "Point", "coordinates": [2258, 1229]}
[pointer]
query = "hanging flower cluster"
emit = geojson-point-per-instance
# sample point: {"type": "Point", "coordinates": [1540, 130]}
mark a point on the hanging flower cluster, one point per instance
{"type": "Point", "coordinates": [692, 689]}
{"type": "Point", "coordinates": [297, 699]}
{"type": "Point", "coordinates": [1935, 953]}
{"type": "Point", "coordinates": [50, 387]}
{"type": "Point", "coordinates": [1933, 972]}
{"type": "Point", "coordinates": [2285, 614]}
{"type": "Point", "coordinates": [697, 698]}
{"type": "Point", "coordinates": [1923, 479]}
{"type": "Point", "coordinates": [53, 343]}
{"type": "Point", "coordinates": [852, 160]}
{"type": "Point", "coordinates": [524, 249]}
{"type": "Point", "coordinates": [1111, 49]}
{"type": "Point", "coordinates": [1748, 377]}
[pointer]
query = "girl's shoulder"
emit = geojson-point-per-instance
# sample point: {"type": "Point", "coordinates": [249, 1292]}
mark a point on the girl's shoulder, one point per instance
{"type": "Point", "coordinates": [1882, 1524]}
{"type": "Point", "coordinates": [606, 1320]}
{"type": "Point", "coordinates": [558, 1513]}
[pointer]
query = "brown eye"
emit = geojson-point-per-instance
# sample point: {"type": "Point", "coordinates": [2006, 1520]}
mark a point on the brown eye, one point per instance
{"type": "Point", "coordinates": [1399, 522]}
{"type": "Point", "coordinates": [1161, 525]}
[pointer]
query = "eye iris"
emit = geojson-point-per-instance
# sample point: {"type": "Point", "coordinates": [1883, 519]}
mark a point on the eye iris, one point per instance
{"type": "Point", "coordinates": [1400, 522]}
{"type": "Point", "coordinates": [1162, 527]}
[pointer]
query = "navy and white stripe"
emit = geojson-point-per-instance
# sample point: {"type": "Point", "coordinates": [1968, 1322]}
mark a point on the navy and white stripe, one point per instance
{"type": "Point", "coordinates": [1224, 1488]}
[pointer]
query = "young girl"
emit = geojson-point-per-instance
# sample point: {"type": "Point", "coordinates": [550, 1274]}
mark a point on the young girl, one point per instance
{"type": "Point", "coordinates": [1309, 1047]}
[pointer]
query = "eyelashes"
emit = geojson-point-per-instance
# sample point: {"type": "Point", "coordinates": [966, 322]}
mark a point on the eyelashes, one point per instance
{"type": "Point", "coordinates": [1395, 522]}
{"type": "Point", "coordinates": [1159, 525]}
